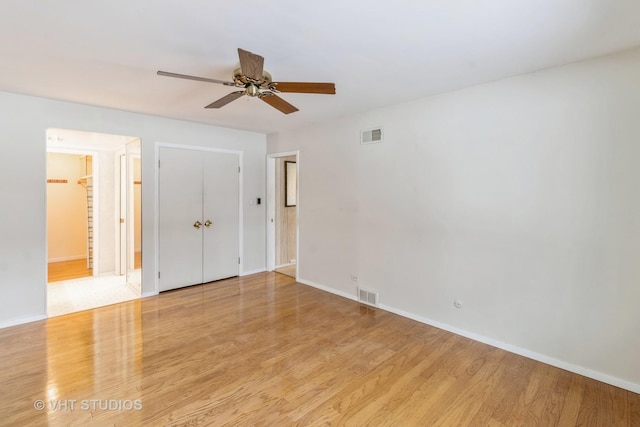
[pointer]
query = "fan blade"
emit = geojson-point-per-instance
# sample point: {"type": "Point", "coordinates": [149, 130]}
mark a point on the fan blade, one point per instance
{"type": "Point", "coordinates": [276, 102]}
{"type": "Point", "coordinates": [251, 64]}
{"type": "Point", "coordinates": [200, 79]}
{"type": "Point", "coordinates": [226, 99]}
{"type": "Point", "coordinates": [304, 87]}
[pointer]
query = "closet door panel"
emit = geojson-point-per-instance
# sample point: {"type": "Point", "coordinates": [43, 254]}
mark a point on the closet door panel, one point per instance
{"type": "Point", "coordinates": [221, 199]}
{"type": "Point", "coordinates": [180, 207]}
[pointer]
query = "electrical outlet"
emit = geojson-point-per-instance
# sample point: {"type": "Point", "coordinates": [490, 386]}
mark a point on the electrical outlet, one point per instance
{"type": "Point", "coordinates": [457, 303]}
{"type": "Point", "coordinates": [354, 277]}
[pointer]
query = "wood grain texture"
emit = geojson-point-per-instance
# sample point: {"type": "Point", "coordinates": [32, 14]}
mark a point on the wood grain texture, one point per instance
{"type": "Point", "coordinates": [264, 350]}
{"type": "Point", "coordinates": [251, 64]}
{"type": "Point", "coordinates": [226, 99]}
{"type": "Point", "coordinates": [276, 102]}
{"type": "Point", "coordinates": [67, 270]}
{"type": "Point", "coordinates": [306, 87]}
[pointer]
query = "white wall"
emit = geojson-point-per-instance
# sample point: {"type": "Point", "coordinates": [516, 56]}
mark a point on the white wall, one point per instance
{"type": "Point", "coordinates": [106, 221]}
{"type": "Point", "coordinates": [24, 121]}
{"type": "Point", "coordinates": [66, 208]}
{"type": "Point", "coordinates": [518, 197]}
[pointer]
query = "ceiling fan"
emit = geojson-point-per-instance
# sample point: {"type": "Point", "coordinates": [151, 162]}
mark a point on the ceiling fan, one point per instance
{"type": "Point", "coordinates": [256, 82]}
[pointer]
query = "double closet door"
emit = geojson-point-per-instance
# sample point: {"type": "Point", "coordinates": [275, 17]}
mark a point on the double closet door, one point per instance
{"type": "Point", "coordinates": [198, 217]}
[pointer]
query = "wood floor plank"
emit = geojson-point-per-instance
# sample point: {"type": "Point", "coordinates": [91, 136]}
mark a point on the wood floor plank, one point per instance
{"type": "Point", "coordinates": [604, 405]}
{"type": "Point", "coordinates": [634, 409]}
{"type": "Point", "coordinates": [411, 393]}
{"type": "Point", "coordinates": [510, 375]}
{"type": "Point", "coordinates": [265, 350]}
{"type": "Point", "coordinates": [358, 402]}
{"type": "Point", "coordinates": [67, 270]}
{"type": "Point", "coordinates": [534, 401]}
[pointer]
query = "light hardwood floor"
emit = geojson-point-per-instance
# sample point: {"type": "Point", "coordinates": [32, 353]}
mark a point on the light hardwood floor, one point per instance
{"type": "Point", "coordinates": [67, 270]}
{"type": "Point", "coordinates": [264, 350]}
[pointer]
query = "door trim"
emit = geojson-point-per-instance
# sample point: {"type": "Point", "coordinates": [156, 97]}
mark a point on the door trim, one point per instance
{"type": "Point", "coordinates": [121, 253]}
{"type": "Point", "coordinates": [156, 204]}
{"type": "Point", "coordinates": [271, 209]}
{"type": "Point", "coordinates": [132, 151]}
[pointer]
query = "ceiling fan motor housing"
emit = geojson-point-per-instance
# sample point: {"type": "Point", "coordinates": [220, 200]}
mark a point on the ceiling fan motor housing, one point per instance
{"type": "Point", "coordinates": [241, 80]}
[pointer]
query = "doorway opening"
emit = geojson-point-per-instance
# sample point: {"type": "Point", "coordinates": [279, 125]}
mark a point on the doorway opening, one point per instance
{"type": "Point", "coordinates": [93, 220]}
{"type": "Point", "coordinates": [282, 200]}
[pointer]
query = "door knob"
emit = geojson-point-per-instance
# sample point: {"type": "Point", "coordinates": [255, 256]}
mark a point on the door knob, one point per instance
{"type": "Point", "coordinates": [197, 225]}
{"type": "Point", "coordinates": [207, 223]}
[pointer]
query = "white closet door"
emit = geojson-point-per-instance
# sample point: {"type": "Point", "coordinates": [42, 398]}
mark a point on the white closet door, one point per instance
{"type": "Point", "coordinates": [180, 204]}
{"type": "Point", "coordinates": [221, 189]}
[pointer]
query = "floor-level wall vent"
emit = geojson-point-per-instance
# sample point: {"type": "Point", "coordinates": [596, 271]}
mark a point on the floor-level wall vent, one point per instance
{"type": "Point", "coordinates": [367, 297]}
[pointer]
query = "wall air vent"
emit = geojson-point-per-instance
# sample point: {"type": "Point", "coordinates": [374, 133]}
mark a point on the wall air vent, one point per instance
{"type": "Point", "coordinates": [367, 297]}
{"type": "Point", "coordinates": [371, 136]}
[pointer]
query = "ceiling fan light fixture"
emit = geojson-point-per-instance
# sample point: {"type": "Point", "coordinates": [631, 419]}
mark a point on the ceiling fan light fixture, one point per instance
{"type": "Point", "coordinates": [252, 90]}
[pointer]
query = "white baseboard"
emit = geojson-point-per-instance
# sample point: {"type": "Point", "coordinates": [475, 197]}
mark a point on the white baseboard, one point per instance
{"type": "Point", "coordinates": [149, 294]}
{"type": "Point", "coordinates": [250, 272]}
{"type": "Point", "coordinates": [598, 376]}
{"type": "Point", "coordinates": [326, 289]}
{"type": "Point", "coordinates": [20, 321]}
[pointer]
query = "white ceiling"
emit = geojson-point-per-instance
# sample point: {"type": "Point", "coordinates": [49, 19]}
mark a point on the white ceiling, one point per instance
{"type": "Point", "coordinates": [378, 53]}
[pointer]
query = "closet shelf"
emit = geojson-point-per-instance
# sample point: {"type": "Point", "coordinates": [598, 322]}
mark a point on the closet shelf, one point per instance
{"type": "Point", "coordinates": [83, 179]}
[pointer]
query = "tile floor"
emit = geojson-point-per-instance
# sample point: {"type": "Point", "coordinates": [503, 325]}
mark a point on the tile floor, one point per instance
{"type": "Point", "coordinates": [74, 295]}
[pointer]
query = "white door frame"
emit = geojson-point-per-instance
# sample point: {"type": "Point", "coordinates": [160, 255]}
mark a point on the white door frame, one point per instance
{"type": "Point", "coordinates": [130, 156]}
{"type": "Point", "coordinates": [120, 210]}
{"type": "Point", "coordinates": [156, 207]}
{"type": "Point", "coordinates": [271, 208]}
